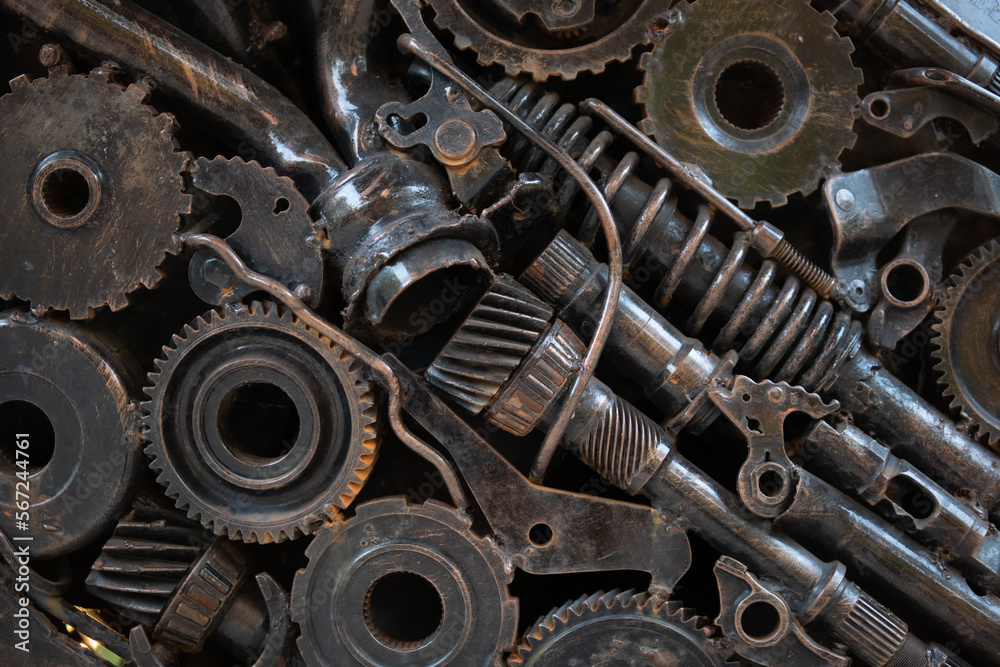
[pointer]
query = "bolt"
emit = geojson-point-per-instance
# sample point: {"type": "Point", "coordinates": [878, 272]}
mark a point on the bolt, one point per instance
{"type": "Point", "coordinates": [455, 140]}
{"type": "Point", "coordinates": [566, 7]}
{"type": "Point", "coordinates": [845, 200]}
{"type": "Point", "coordinates": [51, 55]}
{"type": "Point", "coordinates": [776, 395]}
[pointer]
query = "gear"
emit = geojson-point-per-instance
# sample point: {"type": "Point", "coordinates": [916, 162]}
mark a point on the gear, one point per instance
{"type": "Point", "coordinates": [967, 345]}
{"type": "Point", "coordinates": [257, 425]}
{"type": "Point", "coordinates": [610, 37]}
{"type": "Point", "coordinates": [275, 236]}
{"type": "Point", "coordinates": [404, 584]}
{"type": "Point", "coordinates": [104, 192]}
{"type": "Point", "coordinates": [762, 97]}
{"type": "Point", "coordinates": [621, 629]}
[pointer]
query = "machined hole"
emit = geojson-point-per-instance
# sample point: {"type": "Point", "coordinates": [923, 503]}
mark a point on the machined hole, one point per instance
{"type": "Point", "coordinates": [403, 610]}
{"type": "Point", "coordinates": [760, 621]}
{"type": "Point", "coordinates": [19, 418]}
{"type": "Point", "coordinates": [540, 534]}
{"type": "Point", "coordinates": [908, 495]}
{"type": "Point", "coordinates": [65, 192]}
{"type": "Point", "coordinates": [905, 282]}
{"type": "Point", "coordinates": [749, 95]}
{"type": "Point", "coordinates": [879, 108]}
{"type": "Point", "coordinates": [771, 483]}
{"type": "Point", "coordinates": [258, 420]}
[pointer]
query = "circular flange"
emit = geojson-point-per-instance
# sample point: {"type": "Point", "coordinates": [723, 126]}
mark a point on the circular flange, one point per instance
{"type": "Point", "coordinates": [258, 426]}
{"type": "Point", "coordinates": [404, 584]}
{"type": "Point", "coordinates": [68, 395]}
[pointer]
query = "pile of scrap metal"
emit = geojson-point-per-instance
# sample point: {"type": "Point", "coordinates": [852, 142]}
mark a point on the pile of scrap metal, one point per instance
{"type": "Point", "coordinates": [485, 332]}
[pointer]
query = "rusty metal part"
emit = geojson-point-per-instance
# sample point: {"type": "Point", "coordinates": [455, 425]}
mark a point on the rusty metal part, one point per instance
{"type": "Point", "coordinates": [759, 624]}
{"type": "Point", "coordinates": [986, 99]}
{"type": "Point", "coordinates": [611, 37]}
{"type": "Point", "coordinates": [261, 428]}
{"type": "Point", "coordinates": [975, 19]}
{"type": "Point", "coordinates": [73, 391]}
{"type": "Point", "coordinates": [621, 628]}
{"type": "Point", "coordinates": [400, 583]}
{"type": "Point", "coordinates": [557, 17]}
{"type": "Point", "coordinates": [905, 111]}
{"type": "Point", "coordinates": [967, 342]}
{"type": "Point", "coordinates": [759, 98]}
{"type": "Point", "coordinates": [93, 197]}
{"type": "Point", "coordinates": [276, 235]}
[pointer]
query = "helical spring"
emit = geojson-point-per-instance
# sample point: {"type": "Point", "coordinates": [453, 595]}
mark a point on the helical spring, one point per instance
{"type": "Point", "coordinates": [794, 336]}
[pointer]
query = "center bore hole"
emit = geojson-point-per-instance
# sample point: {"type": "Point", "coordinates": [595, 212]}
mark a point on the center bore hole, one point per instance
{"type": "Point", "coordinates": [760, 620]}
{"type": "Point", "coordinates": [905, 283]}
{"type": "Point", "coordinates": [749, 95]}
{"type": "Point", "coordinates": [403, 610]}
{"type": "Point", "coordinates": [770, 483]}
{"type": "Point", "coordinates": [258, 419]}
{"type": "Point", "coordinates": [65, 192]}
{"type": "Point", "coordinates": [24, 418]}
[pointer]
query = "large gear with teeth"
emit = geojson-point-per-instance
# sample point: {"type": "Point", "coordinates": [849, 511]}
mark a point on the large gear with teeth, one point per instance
{"type": "Point", "coordinates": [609, 37]}
{"type": "Point", "coordinates": [92, 188]}
{"type": "Point", "coordinates": [761, 96]}
{"type": "Point", "coordinates": [259, 427]}
{"type": "Point", "coordinates": [621, 629]}
{"type": "Point", "coordinates": [966, 348]}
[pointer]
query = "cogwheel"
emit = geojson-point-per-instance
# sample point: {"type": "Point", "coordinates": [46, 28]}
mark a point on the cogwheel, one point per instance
{"type": "Point", "coordinates": [966, 346]}
{"type": "Point", "coordinates": [622, 629]}
{"type": "Point", "coordinates": [609, 38]}
{"type": "Point", "coordinates": [104, 192]}
{"type": "Point", "coordinates": [761, 96]}
{"type": "Point", "coordinates": [258, 426]}
{"type": "Point", "coordinates": [403, 584]}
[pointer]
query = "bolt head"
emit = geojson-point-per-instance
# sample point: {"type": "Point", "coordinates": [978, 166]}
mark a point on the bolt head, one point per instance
{"type": "Point", "coordinates": [456, 139]}
{"type": "Point", "coordinates": [845, 199]}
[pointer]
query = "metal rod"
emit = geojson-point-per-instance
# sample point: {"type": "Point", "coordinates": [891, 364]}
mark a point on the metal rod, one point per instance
{"type": "Point", "coordinates": [554, 436]}
{"type": "Point", "coordinates": [951, 82]}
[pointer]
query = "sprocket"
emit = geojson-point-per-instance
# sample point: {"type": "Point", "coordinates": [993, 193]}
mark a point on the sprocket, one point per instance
{"type": "Point", "coordinates": [91, 180]}
{"type": "Point", "coordinates": [966, 347]}
{"type": "Point", "coordinates": [761, 96]}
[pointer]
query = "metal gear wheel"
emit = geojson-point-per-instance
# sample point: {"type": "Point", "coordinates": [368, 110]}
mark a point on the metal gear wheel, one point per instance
{"type": "Point", "coordinates": [621, 629]}
{"type": "Point", "coordinates": [761, 96]}
{"type": "Point", "coordinates": [258, 426]}
{"type": "Point", "coordinates": [610, 37]}
{"type": "Point", "coordinates": [91, 181]}
{"type": "Point", "coordinates": [403, 584]}
{"type": "Point", "coordinates": [967, 345]}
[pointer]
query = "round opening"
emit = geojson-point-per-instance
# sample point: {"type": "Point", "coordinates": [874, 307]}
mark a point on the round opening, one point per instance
{"type": "Point", "coordinates": [403, 610]}
{"type": "Point", "coordinates": [540, 534]}
{"type": "Point", "coordinates": [749, 94]}
{"type": "Point", "coordinates": [65, 192]}
{"type": "Point", "coordinates": [879, 108]}
{"type": "Point", "coordinates": [281, 205]}
{"type": "Point", "coordinates": [908, 495]}
{"type": "Point", "coordinates": [905, 282]}
{"type": "Point", "coordinates": [258, 420]}
{"type": "Point", "coordinates": [771, 483]}
{"type": "Point", "coordinates": [430, 300]}
{"type": "Point", "coordinates": [760, 621]}
{"type": "Point", "coordinates": [25, 421]}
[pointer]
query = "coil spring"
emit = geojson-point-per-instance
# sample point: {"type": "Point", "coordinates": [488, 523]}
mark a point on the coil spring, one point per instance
{"type": "Point", "coordinates": [795, 326]}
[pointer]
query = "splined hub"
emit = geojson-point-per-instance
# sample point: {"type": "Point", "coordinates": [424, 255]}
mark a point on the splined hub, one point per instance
{"type": "Point", "coordinates": [259, 426]}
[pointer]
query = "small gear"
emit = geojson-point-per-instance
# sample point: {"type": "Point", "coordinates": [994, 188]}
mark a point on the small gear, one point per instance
{"type": "Point", "coordinates": [91, 181]}
{"type": "Point", "coordinates": [403, 584]}
{"type": "Point", "coordinates": [761, 96]}
{"type": "Point", "coordinates": [610, 37]}
{"type": "Point", "coordinates": [966, 347]}
{"type": "Point", "coordinates": [621, 629]}
{"type": "Point", "coordinates": [260, 427]}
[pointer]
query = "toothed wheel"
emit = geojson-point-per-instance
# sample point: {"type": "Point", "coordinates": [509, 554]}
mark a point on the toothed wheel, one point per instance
{"type": "Point", "coordinates": [967, 344]}
{"type": "Point", "coordinates": [258, 426]}
{"type": "Point", "coordinates": [403, 584]}
{"type": "Point", "coordinates": [616, 29]}
{"type": "Point", "coordinates": [620, 629]}
{"type": "Point", "coordinates": [92, 190]}
{"type": "Point", "coordinates": [761, 96]}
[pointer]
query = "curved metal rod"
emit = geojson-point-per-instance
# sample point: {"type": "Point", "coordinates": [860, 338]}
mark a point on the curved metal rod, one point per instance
{"type": "Point", "coordinates": [383, 374]}
{"type": "Point", "coordinates": [959, 86]}
{"type": "Point", "coordinates": [555, 434]}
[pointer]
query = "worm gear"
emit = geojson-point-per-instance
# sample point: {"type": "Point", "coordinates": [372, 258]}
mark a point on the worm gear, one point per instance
{"type": "Point", "coordinates": [967, 344]}
{"type": "Point", "coordinates": [761, 96]}
{"type": "Point", "coordinates": [403, 584]}
{"type": "Point", "coordinates": [91, 181]}
{"type": "Point", "coordinates": [616, 29]}
{"type": "Point", "coordinates": [621, 629]}
{"type": "Point", "coordinates": [258, 426]}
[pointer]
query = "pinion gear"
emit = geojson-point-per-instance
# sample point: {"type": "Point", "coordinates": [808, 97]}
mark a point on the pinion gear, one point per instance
{"type": "Point", "coordinates": [258, 426]}
{"type": "Point", "coordinates": [621, 628]}
{"type": "Point", "coordinates": [104, 192]}
{"type": "Point", "coordinates": [967, 342]}
{"type": "Point", "coordinates": [761, 96]}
